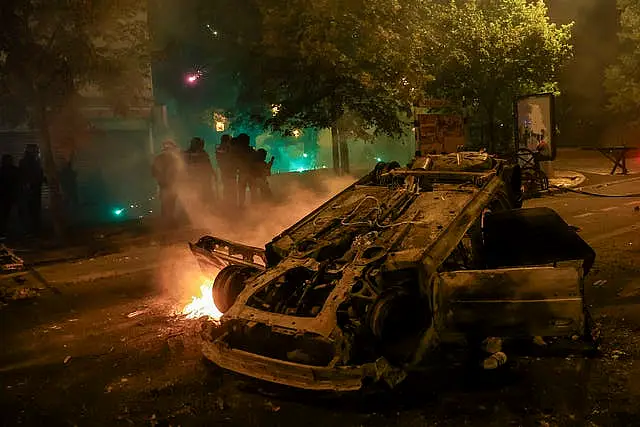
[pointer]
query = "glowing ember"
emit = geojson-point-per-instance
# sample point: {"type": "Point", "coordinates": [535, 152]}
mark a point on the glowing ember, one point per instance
{"type": "Point", "coordinates": [203, 306]}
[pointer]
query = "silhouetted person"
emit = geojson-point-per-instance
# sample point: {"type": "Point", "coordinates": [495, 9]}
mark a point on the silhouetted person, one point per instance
{"type": "Point", "coordinates": [262, 170]}
{"type": "Point", "coordinates": [200, 174]}
{"type": "Point", "coordinates": [9, 190]}
{"type": "Point", "coordinates": [228, 170]}
{"type": "Point", "coordinates": [166, 170]}
{"type": "Point", "coordinates": [543, 145]}
{"type": "Point", "coordinates": [245, 156]}
{"type": "Point", "coordinates": [31, 181]}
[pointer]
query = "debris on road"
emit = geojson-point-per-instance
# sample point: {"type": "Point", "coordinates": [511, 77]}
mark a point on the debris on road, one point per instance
{"type": "Point", "coordinates": [9, 261]}
{"type": "Point", "coordinates": [220, 403]}
{"type": "Point", "coordinates": [566, 179]}
{"type": "Point", "coordinates": [17, 293]}
{"type": "Point", "coordinates": [599, 283]}
{"type": "Point", "coordinates": [492, 345]}
{"type": "Point", "coordinates": [270, 406]}
{"type": "Point", "coordinates": [618, 354]}
{"type": "Point", "coordinates": [494, 361]}
{"type": "Point", "coordinates": [137, 313]}
{"type": "Point", "coordinates": [539, 341]}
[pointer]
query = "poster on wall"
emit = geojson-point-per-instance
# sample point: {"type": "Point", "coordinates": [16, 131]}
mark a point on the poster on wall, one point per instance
{"type": "Point", "coordinates": [439, 127]}
{"type": "Point", "coordinates": [535, 125]}
{"type": "Point", "coordinates": [426, 133]}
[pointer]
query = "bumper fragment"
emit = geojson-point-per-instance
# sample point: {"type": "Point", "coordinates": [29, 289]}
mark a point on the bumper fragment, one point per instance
{"type": "Point", "coordinates": [347, 378]}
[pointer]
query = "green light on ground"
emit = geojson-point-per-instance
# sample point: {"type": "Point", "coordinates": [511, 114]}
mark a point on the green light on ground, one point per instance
{"type": "Point", "coordinates": [118, 212]}
{"type": "Point", "coordinates": [378, 159]}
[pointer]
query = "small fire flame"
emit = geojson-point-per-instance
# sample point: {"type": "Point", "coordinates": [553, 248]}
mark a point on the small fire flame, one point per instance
{"type": "Point", "coordinates": [203, 306]}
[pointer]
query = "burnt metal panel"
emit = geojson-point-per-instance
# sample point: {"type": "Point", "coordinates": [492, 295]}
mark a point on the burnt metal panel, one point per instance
{"type": "Point", "coordinates": [538, 301]}
{"type": "Point", "coordinates": [533, 236]}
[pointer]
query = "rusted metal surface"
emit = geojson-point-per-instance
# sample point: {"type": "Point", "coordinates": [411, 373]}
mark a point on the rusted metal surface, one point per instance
{"type": "Point", "coordinates": [339, 378]}
{"type": "Point", "coordinates": [219, 253]}
{"type": "Point", "coordinates": [520, 302]}
{"type": "Point", "coordinates": [363, 287]}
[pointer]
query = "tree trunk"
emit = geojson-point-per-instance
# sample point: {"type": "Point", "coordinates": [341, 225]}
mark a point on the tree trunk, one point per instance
{"type": "Point", "coordinates": [344, 156]}
{"type": "Point", "coordinates": [491, 130]}
{"type": "Point", "coordinates": [51, 174]}
{"type": "Point", "coordinates": [335, 146]}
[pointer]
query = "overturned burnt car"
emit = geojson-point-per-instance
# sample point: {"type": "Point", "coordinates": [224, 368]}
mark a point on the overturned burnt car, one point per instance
{"type": "Point", "coordinates": [366, 286]}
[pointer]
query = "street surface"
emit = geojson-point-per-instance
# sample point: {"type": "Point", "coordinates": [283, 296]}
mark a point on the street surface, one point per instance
{"type": "Point", "coordinates": [112, 352]}
{"type": "Point", "coordinates": [592, 162]}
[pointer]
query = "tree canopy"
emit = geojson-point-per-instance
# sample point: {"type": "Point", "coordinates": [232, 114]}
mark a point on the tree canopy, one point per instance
{"type": "Point", "coordinates": [362, 63]}
{"type": "Point", "coordinates": [622, 79]}
{"type": "Point", "coordinates": [55, 53]}
{"type": "Point", "coordinates": [53, 50]}
{"type": "Point", "coordinates": [320, 61]}
{"type": "Point", "coordinates": [353, 59]}
{"type": "Point", "coordinates": [484, 53]}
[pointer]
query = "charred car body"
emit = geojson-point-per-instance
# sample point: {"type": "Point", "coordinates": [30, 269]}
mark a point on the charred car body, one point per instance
{"type": "Point", "coordinates": [365, 286]}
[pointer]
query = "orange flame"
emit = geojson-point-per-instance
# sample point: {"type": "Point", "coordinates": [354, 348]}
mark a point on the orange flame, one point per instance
{"type": "Point", "coordinates": [203, 306]}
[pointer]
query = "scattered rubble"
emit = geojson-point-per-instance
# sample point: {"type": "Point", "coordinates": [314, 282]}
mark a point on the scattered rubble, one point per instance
{"type": "Point", "coordinates": [270, 406]}
{"type": "Point", "coordinates": [137, 313]}
{"type": "Point", "coordinates": [9, 261]}
{"type": "Point", "coordinates": [539, 341]}
{"type": "Point", "coordinates": [492, 345]}
{"type": "Point", "coordinates": [494, 361]}
{"type": "Point", "coordinates": [618, 354]}
{"type": "Point", "coordinates": [16, 293]}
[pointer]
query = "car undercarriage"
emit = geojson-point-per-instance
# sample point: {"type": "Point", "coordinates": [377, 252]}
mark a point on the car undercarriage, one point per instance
{"type": "Point", "coordinates": [364, 287]}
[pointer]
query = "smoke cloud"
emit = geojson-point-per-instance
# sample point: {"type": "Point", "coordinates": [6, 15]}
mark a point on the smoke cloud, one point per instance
{"type": "Point", "coordinates": [582, 114]}
{"type": "Point", "coordinates": [295, 196]}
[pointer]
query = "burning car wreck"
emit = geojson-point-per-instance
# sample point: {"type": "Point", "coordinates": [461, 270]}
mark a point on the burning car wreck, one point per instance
{"type": "Point", "coordinates": [366, 286]}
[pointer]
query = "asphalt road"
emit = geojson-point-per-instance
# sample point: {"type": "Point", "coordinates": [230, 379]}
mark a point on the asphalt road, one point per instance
{"type": "Point", "coordinates": [111, 353]}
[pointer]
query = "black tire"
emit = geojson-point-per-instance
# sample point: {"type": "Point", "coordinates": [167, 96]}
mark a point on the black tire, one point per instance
{"type": "Point", "coordinates": [512, 176]}
{"type": "Point", "coordinates": [397, 320]}
{"type": "Point", "coordinates": [229, 283]}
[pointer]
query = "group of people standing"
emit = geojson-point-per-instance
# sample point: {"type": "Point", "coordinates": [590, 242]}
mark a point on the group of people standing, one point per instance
{"type": "Point", "coordinates": [243, 168]}
{"type": "Point", "coordinates": [21, 188]}
{"type": "Point", "coordinates": [191, 174]}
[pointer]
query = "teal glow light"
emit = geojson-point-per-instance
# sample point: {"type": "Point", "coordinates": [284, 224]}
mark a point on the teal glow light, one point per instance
{"type": "Point", "coordinates": [378, 159]}
{"type": "Point", "coordinates": [300, 165]}
{"type": "Point", "coordinates": [118, 212]}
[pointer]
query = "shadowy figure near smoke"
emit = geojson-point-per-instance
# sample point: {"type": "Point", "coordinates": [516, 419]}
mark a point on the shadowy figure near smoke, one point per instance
{"type": "Point", "coordinates": [294, 196]}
